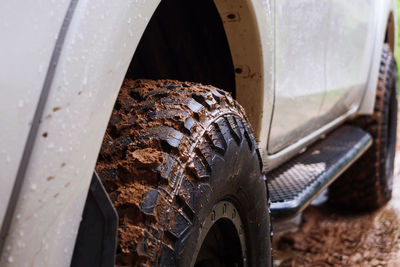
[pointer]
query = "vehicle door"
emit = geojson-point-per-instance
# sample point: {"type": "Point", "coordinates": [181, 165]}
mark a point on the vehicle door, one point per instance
{"type": "Point", "coordinates": [301, 39]}
{"type": "Point", "coordinates": [351, 28]}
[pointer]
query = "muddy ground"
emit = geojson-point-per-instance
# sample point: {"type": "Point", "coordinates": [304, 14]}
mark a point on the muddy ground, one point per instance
{"type": "Point", "coordinates": [323, 236]}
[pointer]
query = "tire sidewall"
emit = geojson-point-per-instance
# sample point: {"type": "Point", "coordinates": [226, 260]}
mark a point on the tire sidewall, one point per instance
{"type": "Point", "coordinates": [235, 176]}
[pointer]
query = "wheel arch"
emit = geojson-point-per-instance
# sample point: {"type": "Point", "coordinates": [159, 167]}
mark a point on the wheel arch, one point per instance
{"type": "Point", "coordinates": [245, 41]}
{"type": "Point", "coordinates": [386, 31]}
{"type": "Point", "coordinates": [232, 39]}
{"type": "Point", "coordinates": [249, 28]}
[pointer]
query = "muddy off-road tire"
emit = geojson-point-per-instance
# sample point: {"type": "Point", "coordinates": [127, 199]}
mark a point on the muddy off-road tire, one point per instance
{"type": "Point", "coordinates": [367, 184]}
{"type": "Point", "coordinates": [178, 159]}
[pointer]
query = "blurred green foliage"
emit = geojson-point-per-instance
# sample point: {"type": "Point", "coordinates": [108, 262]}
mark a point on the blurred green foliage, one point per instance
{"type": "Point", "coordinates": [397, 55]}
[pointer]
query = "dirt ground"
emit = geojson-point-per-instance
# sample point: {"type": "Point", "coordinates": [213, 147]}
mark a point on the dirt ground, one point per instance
{"type": "Point", "coordinates": [323, 236]}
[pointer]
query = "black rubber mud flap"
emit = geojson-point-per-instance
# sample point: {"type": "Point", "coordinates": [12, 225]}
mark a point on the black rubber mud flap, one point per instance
{"type": "Point", "coordinates": [97, 237]}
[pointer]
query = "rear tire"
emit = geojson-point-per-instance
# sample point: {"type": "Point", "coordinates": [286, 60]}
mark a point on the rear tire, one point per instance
{"type": "Point", "coordinates": [172, 153]}
{"type": "Point", "coordinates": [368, 183]}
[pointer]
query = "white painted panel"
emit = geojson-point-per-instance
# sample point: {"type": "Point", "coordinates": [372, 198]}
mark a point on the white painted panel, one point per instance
{"type": "Point", "coordinates": [301, 39]}
{"type": "Point", "coordinates": [28, 31]}
{"type": "Point", "coordinates": [349, 54]}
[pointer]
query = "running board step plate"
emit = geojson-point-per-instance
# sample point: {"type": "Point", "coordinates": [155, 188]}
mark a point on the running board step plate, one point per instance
{"type": "Point", "coordinates": [296, 183]}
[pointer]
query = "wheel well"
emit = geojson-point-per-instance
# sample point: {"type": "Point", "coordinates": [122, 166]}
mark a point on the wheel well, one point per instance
{"type": "Point", "coordinates": [186, 41]}
{"type": "Point", "coordinates": [213, 42]}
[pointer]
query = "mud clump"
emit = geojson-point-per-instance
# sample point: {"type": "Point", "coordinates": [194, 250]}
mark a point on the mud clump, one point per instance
{"type": "Point", "coordinates": [147, 157]}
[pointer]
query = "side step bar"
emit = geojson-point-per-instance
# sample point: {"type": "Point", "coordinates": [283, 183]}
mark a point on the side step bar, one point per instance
{"type": "Point", "coordinates": [296, 183]}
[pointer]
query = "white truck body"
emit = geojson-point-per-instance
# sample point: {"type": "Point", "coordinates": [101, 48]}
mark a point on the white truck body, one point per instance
{"type": "Point", "coordinates": [296, 72]}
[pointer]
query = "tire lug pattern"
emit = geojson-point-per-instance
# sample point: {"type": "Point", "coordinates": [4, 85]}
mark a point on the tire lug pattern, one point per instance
{"type": "Point", "coordinates": [233, 127]}
{"type": "Point", "coordinates": [167, 166]}
{"type": "Point", "coordinates": [149, 202]}
{"type": "Point", "coordinates": [198, 169]}
{"type": "Point", "coordinates": [161, 140]}
{"type": "Point", "coordinates": [189, 125]}
{"type": "Point", "coordinates": [167, 134]}
{"type": "Point", "coordinates": [194, 106]}
{"type": "Point", "coordinates": [217, 139]}
{"type": "Point", "coordinates": [178, 224]}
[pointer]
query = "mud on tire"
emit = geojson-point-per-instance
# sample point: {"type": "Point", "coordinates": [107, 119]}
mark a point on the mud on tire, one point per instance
{"type": "Point", "coordinates": [171, 151]}
{"type": "Point", "coordinates": [368, 183]}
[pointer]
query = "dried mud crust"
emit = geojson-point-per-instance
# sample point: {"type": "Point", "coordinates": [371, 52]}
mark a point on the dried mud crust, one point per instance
{"type": "Point", "coordinates": [154, 161]}
{"type": "Point", "coordinates": [368, 183]}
